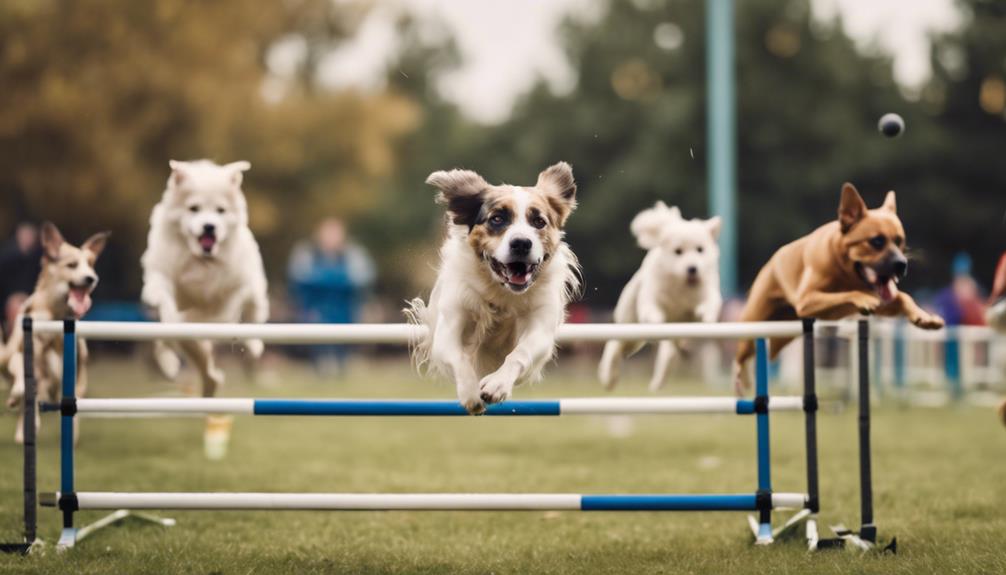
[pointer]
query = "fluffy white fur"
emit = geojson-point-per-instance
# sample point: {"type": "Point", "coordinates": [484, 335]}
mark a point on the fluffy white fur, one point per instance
{"type": "Point", "coordinates": [678, 281]}
{"type": "Point", "coordinates": [484, 336]}
{"type": "Point", "coordinates": [191, 277]}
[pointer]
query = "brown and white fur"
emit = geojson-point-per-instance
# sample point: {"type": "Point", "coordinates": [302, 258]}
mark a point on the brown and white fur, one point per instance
{"type": "Point", "coordinates": [63, 291]}
{"type": "Point", "coordinates": [202, 263]}
{"type": "Point", "coordinates": [504, 280]}
{"type": "Point", "coordinates": [848, 266]}
{"type": "Point", "coordinates": [678, 281]}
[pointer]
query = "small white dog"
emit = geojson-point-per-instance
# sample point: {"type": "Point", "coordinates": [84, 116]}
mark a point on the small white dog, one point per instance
{"type": "Point", "coordinates": [678, 281]}
{"type": "Point", "coordinates": [202, 263]}
{"type": "Point", "coordinates": [504, 281]}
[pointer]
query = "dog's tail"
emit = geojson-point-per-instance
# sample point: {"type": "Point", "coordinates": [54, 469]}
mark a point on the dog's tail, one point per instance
{"type": "Point", "coordinates": [417, 313]}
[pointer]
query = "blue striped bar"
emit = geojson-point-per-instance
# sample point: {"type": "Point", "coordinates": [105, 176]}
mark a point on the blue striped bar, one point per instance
{"type": "Point", "coordinates": [740, 502]}
{"type": "Point", "coordinates": [397, 407]}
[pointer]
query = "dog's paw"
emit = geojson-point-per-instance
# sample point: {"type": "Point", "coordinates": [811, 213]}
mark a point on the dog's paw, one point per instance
{"type": "Point", "coordinates": [167, 360]}
{"type": "Point", "coordinates": [15, 397]}
{"type": "Point", "coordinates": [495, 387]}
{"type": "Point", "coordinates": [866, 303]}
{"type": "Point", "coordinates": [926, 320]}
{"type": "Point", "coordinates": [255, 348]}
{"type": "Point", "coordinates": [742, 380]}
{"type": "Point", "coordinates": [474, 406]}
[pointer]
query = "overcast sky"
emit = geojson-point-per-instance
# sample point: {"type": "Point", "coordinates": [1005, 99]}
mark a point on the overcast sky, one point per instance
{"type": "Point", "coordinates": [506, 45]}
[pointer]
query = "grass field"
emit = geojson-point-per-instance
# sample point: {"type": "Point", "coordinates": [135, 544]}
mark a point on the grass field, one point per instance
{"type": "Point", "coordinates": [940, 485]}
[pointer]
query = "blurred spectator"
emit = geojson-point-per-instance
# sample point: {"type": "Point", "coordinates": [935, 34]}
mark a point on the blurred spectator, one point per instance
{"type": "Point", "coordinates": [20, 263]}
{"type": "Point", "coordinates": [996, 315]}
{"type": "Point", "coordinates": [328, 278]}
{"type": "Point", "coordinates": [961, 302]}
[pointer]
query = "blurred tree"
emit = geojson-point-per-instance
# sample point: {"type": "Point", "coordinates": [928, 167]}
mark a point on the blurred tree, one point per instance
{"type": "Point", "coordinates": [99, 94]}
{"type": "Point", "coordinates": [958, 169]}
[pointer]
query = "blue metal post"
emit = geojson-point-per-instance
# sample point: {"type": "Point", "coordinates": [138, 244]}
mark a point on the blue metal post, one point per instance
{"type": "Point", "coordinates": [764, 453]}
{"type": "Point", "coordinates": [67, 488]}
{"type": "Point", "coordinates": [721, 130]}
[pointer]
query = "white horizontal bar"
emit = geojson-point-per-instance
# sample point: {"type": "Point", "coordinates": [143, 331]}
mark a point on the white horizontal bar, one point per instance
{"type": "Point", "coordinates": [393, 407]}
{"type": "Point", "coordinates": [788, 500]}
{"type": "Point", "coordinates": [166, 405]}
{"type": "Point", "coordinates": [330, 501]}
{"type": "Point", "coordinates": [300, 333]}
{"type": "Point", "coordinates": [425, 501]}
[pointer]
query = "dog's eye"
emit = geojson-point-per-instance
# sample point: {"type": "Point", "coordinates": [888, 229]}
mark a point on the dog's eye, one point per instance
{"type": "Point", "coordinates": [679, 251]}
{"type": "Point", "coordinates": [220, 210]}
{"type": "Point", "coordinates": [699, 249]}
{"type": "Point", "coordinates": [194, 209]}
{"type": "Point", "coordinates": [496, 220]}
{"type": "Point", "coordinates": [878, 242]}
{"type": "Point", "coordinates": [72, 265]}
{"type": "Point", "coordinates": [538, 222]}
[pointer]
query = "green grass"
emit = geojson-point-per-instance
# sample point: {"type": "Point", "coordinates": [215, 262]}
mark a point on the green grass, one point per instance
{"type": "Point", "coordinates": [939, 484]}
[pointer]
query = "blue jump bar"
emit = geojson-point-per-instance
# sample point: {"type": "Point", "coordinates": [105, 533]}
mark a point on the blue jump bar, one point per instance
{"type": "Point", "coordinates": [741, 502]}
{"type": "Point", "coordinates": [416, 408]}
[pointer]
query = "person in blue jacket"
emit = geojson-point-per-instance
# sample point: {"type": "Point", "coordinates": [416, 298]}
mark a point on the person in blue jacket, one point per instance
{"type": "Point", "coordinates": [329, 276]}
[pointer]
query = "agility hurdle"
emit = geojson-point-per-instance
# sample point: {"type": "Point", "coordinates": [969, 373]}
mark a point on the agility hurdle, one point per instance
{"type": "Point", "coordinates": [763, 500]}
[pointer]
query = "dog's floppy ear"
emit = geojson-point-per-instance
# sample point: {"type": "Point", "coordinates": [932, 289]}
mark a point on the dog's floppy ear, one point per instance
{"type": "Point", "coordinates": [51, 241]}
{"type": "Point", "coordinates": [96, 243]}
{"type": "Point", "coordinates": [462, 191]}
{"type": "Point", "coordinates": [237, 170]}
{"type": "Point", "coordinates": [714, 224]}
{"type": "Point", "coordinates": [560, 189]}
{"type": "Point", "coordinates": [852, 207]}
{"type": "Point", "coordinates": [647, 224]}
{"type": "Point", "coordinates": [890, 203]}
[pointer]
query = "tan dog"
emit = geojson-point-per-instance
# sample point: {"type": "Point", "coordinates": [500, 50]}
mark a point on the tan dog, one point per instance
{"type": "Point", "coordinates": [63, 291]}
{"type": "Point", "coordinates": [851, 265]}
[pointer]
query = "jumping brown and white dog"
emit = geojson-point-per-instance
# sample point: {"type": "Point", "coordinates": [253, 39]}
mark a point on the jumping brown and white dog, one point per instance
{"type": "Point", "coordinates": [63, 291]}
{"type": "Point", "coordinates": [202, 263]}
{"type": "Point", "coordinates": [504, 280]}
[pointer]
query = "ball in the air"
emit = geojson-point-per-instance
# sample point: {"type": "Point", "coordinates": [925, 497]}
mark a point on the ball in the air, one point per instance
{"type": "Point", "coordinates": [891, 125]}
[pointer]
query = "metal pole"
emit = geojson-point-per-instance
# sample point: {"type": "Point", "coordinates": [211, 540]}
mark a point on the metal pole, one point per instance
{"type": "Point", "coordinates": [66, 444]}
{"type": "Point", "coordinates": [30, 398]}
{"type": "Point", "coordinates": [868, 531]}
{"type": "Point", "coordinates": [764, 494]}
{"type": "Point", "coordinates": [721, 124]}
{"type": "Point", "coordinates": [810, 410]}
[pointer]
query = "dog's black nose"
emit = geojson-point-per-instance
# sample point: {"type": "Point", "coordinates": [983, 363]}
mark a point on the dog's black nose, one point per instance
{"type": "Point", "coordinates": [692, 270]}
{"type": "Point", "coordinates": [209, 228]}
{"type": "Point", "coordinates": [520, 246]}
{"type": "Point", "coordinates": [901, 268]}
{"type": "Point", "coordinates": [89, 280]}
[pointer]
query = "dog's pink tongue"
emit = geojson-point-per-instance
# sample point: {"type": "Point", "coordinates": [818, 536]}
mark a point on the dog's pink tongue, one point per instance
{"type": "Point", "coordinates": [518, 279]}
{"type": "Point", "coordinates": [79, 301]}
{"type": "Point", "coordinates": [887, 291]}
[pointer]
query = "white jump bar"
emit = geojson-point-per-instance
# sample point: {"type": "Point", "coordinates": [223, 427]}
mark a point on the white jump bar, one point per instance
{"type": "Point", "coordinates": [405, 333]}
{"type": "Point", "coordinates": [423, 501]}
{"type": "Point", "coordinates": [407, 407]}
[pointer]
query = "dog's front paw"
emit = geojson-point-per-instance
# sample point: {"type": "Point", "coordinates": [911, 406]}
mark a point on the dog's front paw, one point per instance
{"type": "Point", "coordinates": [167, 360]}
{"type": "Point", "coordinates": [742, 380]}
{"type": "Point", "coordinates": [255, 348]}
{"type": "Point", "coordinates": [866, 303]}
{"type": "Point", "coordinates": [495, 387]}
{"type": "Point", "coordinates": [16, 395]}
{"type": "Point", "coordinates": [473, 405]}
{"type": "Point", "coordinates": [927, 320]}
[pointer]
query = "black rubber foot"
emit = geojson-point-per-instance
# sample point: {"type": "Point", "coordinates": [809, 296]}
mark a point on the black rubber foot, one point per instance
{"type": "Point", "coordinates": [827, 544]}
{"type": "Point", "coordinates": [18, 548]}
{"type": "Point", "coordinates": [892, 547]}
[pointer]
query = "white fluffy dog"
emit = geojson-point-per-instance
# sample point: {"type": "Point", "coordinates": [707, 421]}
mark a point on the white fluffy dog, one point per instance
{"type": "Point", "coordinates": [678, 281]}
{"type": "Point", "coordinates": [202, 263]}
{"type": "Point", "coordinates": [504, 281]}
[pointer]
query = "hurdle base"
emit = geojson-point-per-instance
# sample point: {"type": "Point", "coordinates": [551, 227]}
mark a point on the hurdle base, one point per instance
{"type": "Point", "coordinates": [120, 516]}
{"type": "Point", "coordinates": [67, 539]}
{"type": "Point", "coordinates": [865, 540]}
{"type": "Point", "coordinates": [762, 531]}
{"type": "Point", "coordinates": [16, 548]}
